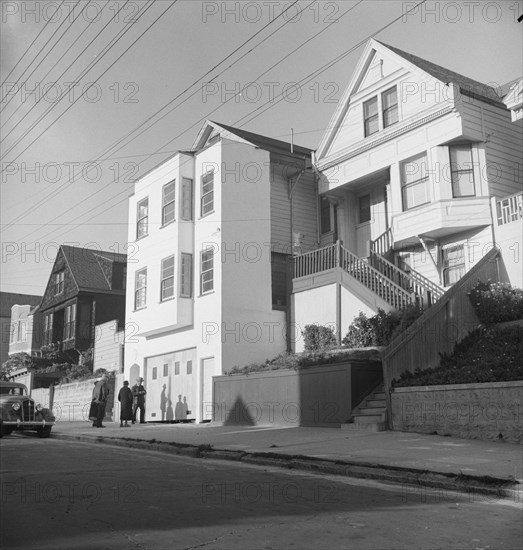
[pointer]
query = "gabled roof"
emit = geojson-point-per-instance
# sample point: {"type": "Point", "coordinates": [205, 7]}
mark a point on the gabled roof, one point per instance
{"type": "Point", "coordinates": [9, 299]}
{"type": "Point", "coordinates": [263, 142]}
{"type": "Point", "coordinates": [86, 266]}
{"type": "Point", "coordinates": [467, 86]}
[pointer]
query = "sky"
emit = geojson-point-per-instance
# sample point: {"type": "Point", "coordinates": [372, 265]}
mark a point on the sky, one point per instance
{"type": "Point", "coordinates": [96, 93]}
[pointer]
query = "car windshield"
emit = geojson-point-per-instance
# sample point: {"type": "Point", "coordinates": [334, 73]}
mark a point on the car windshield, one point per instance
{"type": "Point", "coordinates": [6, 390]}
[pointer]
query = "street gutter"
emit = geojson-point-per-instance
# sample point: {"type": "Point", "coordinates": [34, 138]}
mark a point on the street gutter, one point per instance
{"type": "Point", "coordinates": [497, 488]}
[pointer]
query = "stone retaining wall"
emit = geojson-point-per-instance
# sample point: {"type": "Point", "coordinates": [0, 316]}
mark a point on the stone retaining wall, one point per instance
{"type": "Point", "coordinates": [71, 402]}
{"type": "Point", "coordinates": [475, 411]}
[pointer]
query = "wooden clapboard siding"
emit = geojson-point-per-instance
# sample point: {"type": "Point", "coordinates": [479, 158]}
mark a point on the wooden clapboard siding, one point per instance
{"type": "Point", "coordinates": [280, 213]}
{"type": "Point", "coordinates": [304, 212]}
{"type": "Point", "coordinates": [108, 347]}
{"type": "Point", "coordinates": [503, 144]}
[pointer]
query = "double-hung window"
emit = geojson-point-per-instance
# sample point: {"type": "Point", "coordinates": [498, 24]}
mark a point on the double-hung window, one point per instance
{"type": "Point", "coordinates": [389, 107]}
{"type": "Point", "coordinates": [364, 213]}
{"type": "Point", "coordinates": [48, 328]}
{"type": "Point", "coordinates": [59, 279]}
{"type": "Point", "coordinates": [167, 283]}
{"type": "Point", "coordinates": [461, 171]}
{"type": "Point", "coordinates": [168, 202]}
{"type": "Point", "coordinates": [70, 321]}
{"type": "Point", "coordinates": [415, 182]}
{"type": "Point", "coordinates": [207, 201]}
{"type": "Point", "coordinates": [453, 264]}
{"type": "Point", "coordinates": [186, 276]}
{"type": "Point", "coordinates": [387, 103]}
{"type": "Point", "coordinates": [140, 289]}
{"type": "Point", "coordinates": [370, 115]}
{"type": "Point", "coordinates": [325, 215]}
{"type": "Point", "coordinates": [142, 218]}
{"type": "Point", "coordinates": [187, 199]}
{"type": "Point", "coordinates": [207, 271]}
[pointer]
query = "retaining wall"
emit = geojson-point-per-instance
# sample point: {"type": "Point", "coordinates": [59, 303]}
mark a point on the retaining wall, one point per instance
{"type": "Point", "coordinates": [313, 396]}
{"type": "Point", "coordinates": [474, 411]}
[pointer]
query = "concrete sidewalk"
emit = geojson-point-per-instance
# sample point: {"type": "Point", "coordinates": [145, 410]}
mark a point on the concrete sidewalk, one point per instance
{"type": "Point", "coordinates": [421, 457]}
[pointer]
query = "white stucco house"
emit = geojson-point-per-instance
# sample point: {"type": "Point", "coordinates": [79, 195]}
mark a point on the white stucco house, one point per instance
{"type": "Point", "coordinates": [419, 177]}
{"type": "Point", "coordinates": [210, 235]}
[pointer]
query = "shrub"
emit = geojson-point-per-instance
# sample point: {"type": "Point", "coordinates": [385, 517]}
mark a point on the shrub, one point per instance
{"type": "Point", "coordinates": [360, 334]}
{"type": "Point", "coordinates": [485, 355]}
{"type": "Point", "coordinates": [318, 337]}
{"type": "Point", "coordinates": [496, 302]}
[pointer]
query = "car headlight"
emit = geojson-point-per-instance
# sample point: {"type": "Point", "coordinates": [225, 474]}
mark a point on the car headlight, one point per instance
{"type": "Point", "coordinates": [16, 406]}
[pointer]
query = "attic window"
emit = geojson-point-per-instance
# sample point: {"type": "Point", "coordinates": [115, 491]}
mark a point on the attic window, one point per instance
{"type": "Point", "coordinates": [59, 279]}
{"type": "Point", "coordinates": [389, 106]}
{"type": "Point", "coordinates": [370, 114]}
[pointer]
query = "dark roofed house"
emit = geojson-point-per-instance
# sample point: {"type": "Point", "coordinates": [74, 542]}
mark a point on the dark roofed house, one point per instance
{"type": "Point", "coordinates": [86, 288]}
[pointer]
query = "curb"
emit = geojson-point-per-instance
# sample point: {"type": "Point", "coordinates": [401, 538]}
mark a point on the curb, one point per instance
{"type": "Point", "coordinates": [490, 487]}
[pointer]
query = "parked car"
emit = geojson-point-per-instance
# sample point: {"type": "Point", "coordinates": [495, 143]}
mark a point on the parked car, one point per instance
{"type": "Point", "coordinates": [19, 412]}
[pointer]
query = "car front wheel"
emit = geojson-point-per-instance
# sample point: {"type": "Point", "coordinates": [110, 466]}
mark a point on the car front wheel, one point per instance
{"type": "Point", "coordinates": [44, 431]}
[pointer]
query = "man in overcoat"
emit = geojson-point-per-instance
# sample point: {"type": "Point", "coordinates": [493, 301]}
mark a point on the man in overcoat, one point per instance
{"type": "Point", "coordinates": [139, 400]}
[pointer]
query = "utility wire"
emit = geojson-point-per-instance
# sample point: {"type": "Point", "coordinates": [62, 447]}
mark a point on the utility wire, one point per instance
{"type": "Point", "coordinates": [42, 49]}
{"type": "Point", "coordinates": [49, 71]}
{"type": "Point", "coordinates": [32, 43]}
{"type": "Point", "coordinates": [107, 150]}
{"type": "Point", "coordinates": [107, 48]}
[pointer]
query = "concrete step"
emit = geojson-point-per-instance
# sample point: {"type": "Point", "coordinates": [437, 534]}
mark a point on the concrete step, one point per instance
{"type": "Point", "coordinates": [379, 395]}
{"type": "Point", "coordinates": [365, 427]}
{"type": "Point", "coordinates": [376, 403]}
{"type": "Point", "coordinates": [369, 418]}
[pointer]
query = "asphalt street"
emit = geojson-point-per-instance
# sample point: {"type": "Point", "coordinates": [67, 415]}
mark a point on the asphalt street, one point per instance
{"type": "Point", "coordinates": [60, 494]}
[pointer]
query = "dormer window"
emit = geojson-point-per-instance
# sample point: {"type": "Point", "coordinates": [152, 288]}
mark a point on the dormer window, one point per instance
{"type": "Point", "coordinates": [59, 279]}
{"type": "Point", "coordinates": [387, 104]}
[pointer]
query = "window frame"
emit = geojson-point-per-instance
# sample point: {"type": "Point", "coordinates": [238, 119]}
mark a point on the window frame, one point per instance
{"type": "Point", "coordinates": [460, 172]}
{"type": "Point", "coordinates": [203, 272]}
{"type": "Point", "coordinates": [142, 222]}
{"type": "Point", "coordinates": [361, 221]}
{"type": "Point", "coordinates": [325, 206]}
{"type": "Point", "coordinates": [205, 194]}
{"type": "Point", "coordinates": [450, 268]}
{"type": "Point", "coordinates": [425, 180]}
{"type": "Point", "coordinates": [141, 289]}
{"type": "Point", "coordinates": [164, 278]}
{"type": "Point", "coordinates": [59, 282]}
{"type": "Point", "coordinates": [370, 118]}
{"type": "Point", "coordinates": [186, 279]}
{"type": "Point", "coordinates": [386, 110]}
{"type": "Point", "coordinates": [167, 204]}
{"type": "Point", "coordinates": [69, 321]}
{"type": "Point", "coordinates": [187, 211]}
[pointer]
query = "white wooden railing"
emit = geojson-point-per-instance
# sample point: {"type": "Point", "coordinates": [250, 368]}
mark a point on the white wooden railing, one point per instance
{"type": "Point", "coordinates": [333, 256]}
{"type": "Point", "coordinates": [509, 209]}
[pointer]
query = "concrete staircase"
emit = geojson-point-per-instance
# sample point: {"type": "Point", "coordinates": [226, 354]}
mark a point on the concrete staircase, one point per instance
{"type": "Point", "coordinates": [371, 414]}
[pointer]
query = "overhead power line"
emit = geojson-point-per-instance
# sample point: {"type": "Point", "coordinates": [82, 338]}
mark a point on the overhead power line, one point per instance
{"type": "Point", "coordinates": [42, 49]}
{"type": "Point", "coordinates": [32, 43]}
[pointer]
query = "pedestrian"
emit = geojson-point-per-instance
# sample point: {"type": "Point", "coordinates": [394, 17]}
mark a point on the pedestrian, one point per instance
{"type": "Point", "coordinates": [139, 400]}
{"type": "Point", "coordinates": [100, 396]}
{"type": "Point", "coordinates": [125, 396]}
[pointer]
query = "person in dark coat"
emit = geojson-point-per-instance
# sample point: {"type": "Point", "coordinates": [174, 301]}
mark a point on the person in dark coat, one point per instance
{"type": "Point", "coordinates": [125, 396]}
{"type": "Point", "coordinates": [100, 396]}
{"type": "Point", "coordinates": [139, 400]}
